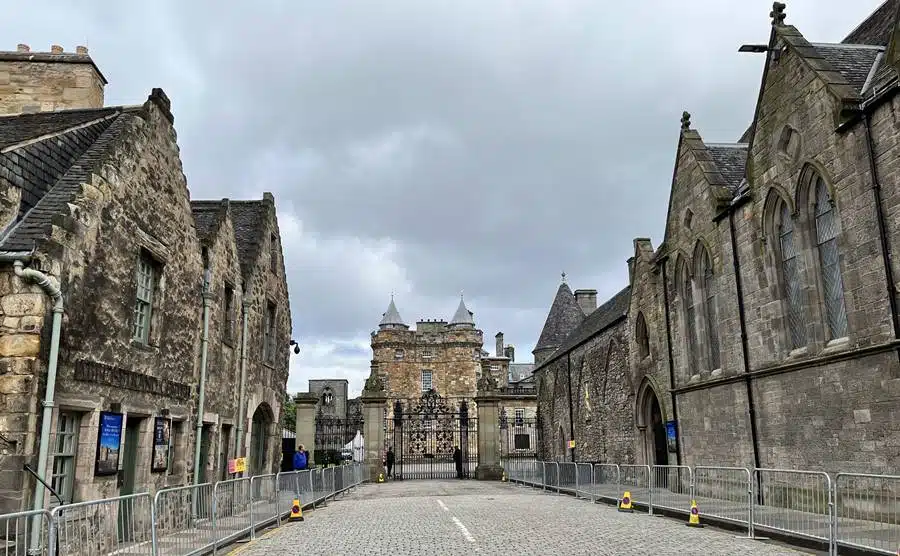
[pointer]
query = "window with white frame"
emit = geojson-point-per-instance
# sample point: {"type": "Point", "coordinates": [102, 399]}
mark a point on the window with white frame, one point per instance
{"type": "Point", "coordinates": [399, 354]}
{"type": "Point", "coordinates": [427, 383]}
{"type": "Point", "coordinates": [495, 368]}
{"type": "Point", "coordinates": [147, 275]}
{"type": "Point", "coordinates": [65, 450]}
{"type": "Point", "coordinates": [427, 353]}
{"type": "Point", "coordinates": [520, 417]}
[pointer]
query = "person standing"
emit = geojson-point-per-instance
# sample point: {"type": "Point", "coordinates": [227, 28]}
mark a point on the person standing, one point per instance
{"type": "Point", "coordinates": [457, 459]}
{"type": "Point", "coordinates": [300, 459]}
{"type": "Point", "coordinates": [389, 461]}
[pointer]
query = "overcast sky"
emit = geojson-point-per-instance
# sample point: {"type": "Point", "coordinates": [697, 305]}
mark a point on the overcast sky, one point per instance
{"type": "Point", "coordinates": [426, 147]}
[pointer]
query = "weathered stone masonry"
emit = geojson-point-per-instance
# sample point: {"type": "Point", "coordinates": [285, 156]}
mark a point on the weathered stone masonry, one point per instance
{"type": "Point", "coordinates": [96, 198]}
{"type": "Point", "coordinates": [766, 323]}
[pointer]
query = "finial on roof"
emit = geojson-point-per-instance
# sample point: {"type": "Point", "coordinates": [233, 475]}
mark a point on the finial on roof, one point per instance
{"type": "Point", "coordinates": [777, 14]}
{"type": "Point", "coordinates": [462, 316]}
{"type": "Point", "coordinates": [685, 121]}
{"type": "Point", "coordinates": [392, 317]}
{"type": "Point", "coordinates": [564, 277]}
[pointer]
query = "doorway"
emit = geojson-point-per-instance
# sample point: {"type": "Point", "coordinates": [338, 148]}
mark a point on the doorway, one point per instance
{"type": "Point", "coordinates": [660, 451]}
{"type": "Point", "coordinates": [259, 439]}
{"type": "Point", "coordinates": [128, 483]}
{"type": "Point", "coordinates": [205, 434]}
{"type": "Point", "coordinates": [652, 426]}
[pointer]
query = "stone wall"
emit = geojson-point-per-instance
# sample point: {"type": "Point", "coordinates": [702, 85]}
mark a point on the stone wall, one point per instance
{"type": "Point", "coordinates": [45, 81]}
{"type": "Point", "coordinates": [453, 363]}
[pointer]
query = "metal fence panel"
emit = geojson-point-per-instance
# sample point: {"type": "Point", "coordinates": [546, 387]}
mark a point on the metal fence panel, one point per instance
{"type": "Point", "coordinates": [795, 502]}
{"type": "Point", "coordinates": [672, 487]}
{"type": "Point", "coordinates": [606, 481]}
{"type": "Point", "coordinates": [232, 503]}
{"type": "Point", "coordinates": [725, 493]}
{"type": "Point", "coordinates": [122, 524]}
{"type": "Point", "coordinates": [867, 511]}
{"type": "Point", "coordinates": [566, 477]}
{"type": "Point", "coordinates": [636, 479]}
{"type": "Point", "coordinates": [584, 481]}
{"type": "Point", "coordinates": [183, 522]}
{"type": "Point", "coordinates": [264, 506]}
{"type": "Point", "coordinates": [26, 533]}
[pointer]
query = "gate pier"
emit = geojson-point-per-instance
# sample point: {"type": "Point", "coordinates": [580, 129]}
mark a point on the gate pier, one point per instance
{"type": "Point", "coordinates": [487, 401]}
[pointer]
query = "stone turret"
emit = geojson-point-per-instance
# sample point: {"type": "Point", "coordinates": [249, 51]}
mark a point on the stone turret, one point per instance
{"type": "Point", "coordinates": [565, 315]}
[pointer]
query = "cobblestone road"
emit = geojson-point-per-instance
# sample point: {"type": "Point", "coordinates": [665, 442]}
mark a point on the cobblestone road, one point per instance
{"type": "Point", "coordinates": [464, 517]}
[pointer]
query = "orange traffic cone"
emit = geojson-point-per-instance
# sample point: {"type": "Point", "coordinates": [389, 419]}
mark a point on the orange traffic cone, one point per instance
{"type": "Point", "coordinates": [296, 511]}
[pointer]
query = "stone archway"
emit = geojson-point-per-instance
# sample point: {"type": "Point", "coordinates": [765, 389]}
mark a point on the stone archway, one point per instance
{"type": "Point", "coordinates": [652, 427]}
{"type": "Point", "coordinates": [260, 432]}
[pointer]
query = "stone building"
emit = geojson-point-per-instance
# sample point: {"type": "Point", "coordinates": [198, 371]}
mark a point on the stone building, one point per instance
{"type": "Point", "coordinates": [332, 396]}
{"type": "Point", "coordinates": [105, 267]}
{"type": "Point", "coordinates": [436, 355]}
{"type": "Point", "coordinates": [764, 329]}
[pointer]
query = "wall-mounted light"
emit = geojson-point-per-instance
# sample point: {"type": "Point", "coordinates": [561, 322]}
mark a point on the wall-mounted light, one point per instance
{"type": "Point", "coordinates": [296, 347]}
{"type": "Point", "coordinates": [760, 49]}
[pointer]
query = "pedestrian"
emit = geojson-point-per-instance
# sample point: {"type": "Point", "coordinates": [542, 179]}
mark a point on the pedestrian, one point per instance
{"type": "Point", "coordinates": [300, 459]}
{"type": "Point", "coordinates": [306, 453]}
{"type": "Point", "coordinates": [457, 459]}
{"type": "Point", "coordinates": [389, 461]}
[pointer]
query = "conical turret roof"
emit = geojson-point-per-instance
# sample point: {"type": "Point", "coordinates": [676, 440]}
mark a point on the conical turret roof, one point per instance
{"type": "Point", "coordinates": [565, 315]}
{"type": "Point", "coordinates": [462, 315]}
{"type": "Point", "coordinates": [392, 317]}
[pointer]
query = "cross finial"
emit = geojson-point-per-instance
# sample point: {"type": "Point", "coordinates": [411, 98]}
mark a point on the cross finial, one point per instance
{"type": "Point", "coordinates": [777, 14]}
{"type": "Point", "coordinates": [563, 277]}
{"type": "Point", "coordinates": [392, 295]}
{"type": "Point", "coordinates": [460, 294]}
{"type": "Point", "coordinates": [685, 120]}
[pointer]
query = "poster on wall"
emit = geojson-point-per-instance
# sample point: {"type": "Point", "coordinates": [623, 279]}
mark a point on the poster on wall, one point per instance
{"type": "Point", "coordinates": [109, 442]}
{"type": "Point", "coordinates": [162, 429]}
{"type": "Point", "coordinates": [671, 436]}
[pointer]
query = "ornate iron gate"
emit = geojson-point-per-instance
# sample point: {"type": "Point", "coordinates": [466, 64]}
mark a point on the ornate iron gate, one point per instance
{"type": "Point", "coordinates": [335, 438]}
{"type": "Point", "coordinates": [424, 435]}
{"type": "Point", "coordinates": [519, 439]}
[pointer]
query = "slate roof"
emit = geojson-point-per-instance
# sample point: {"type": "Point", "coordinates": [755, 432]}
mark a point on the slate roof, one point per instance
{"type": "Point", "coordinates": [207, 218]}
{"type": "Point", "coordinates": [392, 316]}
{"type": "Point", "coordinates": [605, 316]}
{"type": "Point", "coordinates": [565, 315]}
{"type": "Point", "coordinates": [875, 29]}
{"type": "Point", "coordinates": [248, 219]}
{"type": "Point", "coordinates": [520, 371]}
{"type": "Point", "coordinates": [462, 315]}
{"type": "Point", "coordinates": [853, 62]}
{"type": "Point", "coordinates": [48, 155]}
{"type": "Point", "coordinates": [730, 159]}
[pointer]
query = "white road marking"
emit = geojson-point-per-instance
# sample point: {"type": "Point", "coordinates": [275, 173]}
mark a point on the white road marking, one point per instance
{"type": "Point", "coordinates": [465, 531]}
{"type": "Point", "coordinates": [441, 504]}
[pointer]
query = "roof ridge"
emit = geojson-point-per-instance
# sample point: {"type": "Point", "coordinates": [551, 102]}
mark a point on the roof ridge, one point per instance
{"type": "Point", "coordinates": [78, 171]}
{"type": "Point", "coordinates": [728, 145]}
{"type": "Point", "coordinates": [848, 46]}
{"type": "Point", "coordinates": [46, 136]}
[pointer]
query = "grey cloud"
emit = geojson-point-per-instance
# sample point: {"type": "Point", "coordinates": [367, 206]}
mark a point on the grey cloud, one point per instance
{"type": "Point", "coordinates": [490, 144]}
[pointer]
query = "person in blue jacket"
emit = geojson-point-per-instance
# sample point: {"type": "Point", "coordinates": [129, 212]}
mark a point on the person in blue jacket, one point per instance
{"type": "Point", "coordinates": [300, 460]}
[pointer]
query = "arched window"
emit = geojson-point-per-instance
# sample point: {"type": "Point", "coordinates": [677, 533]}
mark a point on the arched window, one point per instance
{"type": "Point", "coordinates": [642, 337]}
{"type": "Point", "coordinates": [825, 232]}
{"type": "Point", "coordinates": [705, 272]}
{"type": "Point", "coordinates": [690, 320]}
{"type": "Point", "coordinates": [790, 274]}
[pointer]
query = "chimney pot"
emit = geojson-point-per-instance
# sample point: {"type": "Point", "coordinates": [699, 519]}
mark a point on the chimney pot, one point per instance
{"type": "Point", "coordinates": [587, 300]}
{"type": "Point", "coordinates": [56, 49]}
{"type": "Point", "coordinates": [22, 48]}
{"type": "Point", "coordinates": [82, 50]}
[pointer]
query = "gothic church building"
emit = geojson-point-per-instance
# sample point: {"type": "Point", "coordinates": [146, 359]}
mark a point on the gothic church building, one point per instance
{"type": "Point", "coordinates": [764, 330]}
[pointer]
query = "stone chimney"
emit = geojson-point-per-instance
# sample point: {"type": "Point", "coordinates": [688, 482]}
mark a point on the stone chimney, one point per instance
{"type": "Point", "coordinates": [510, 353]}
{"type": "Point", "coordinates": [47, 81]}
{"type": "Point", "coordinates": [587, 300]}
{"type": "Point", "coordinates": [499, 350]}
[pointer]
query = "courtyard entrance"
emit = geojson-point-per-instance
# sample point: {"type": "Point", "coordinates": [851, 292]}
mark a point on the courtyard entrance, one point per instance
{"type": "Point", "coordinates": [425, 433]}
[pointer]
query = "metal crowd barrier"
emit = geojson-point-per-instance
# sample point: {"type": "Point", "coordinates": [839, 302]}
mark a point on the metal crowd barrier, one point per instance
{"type": "Point", "coordinates": [856, 511]}
{"type": "Point", "coordinates": [176, 521]}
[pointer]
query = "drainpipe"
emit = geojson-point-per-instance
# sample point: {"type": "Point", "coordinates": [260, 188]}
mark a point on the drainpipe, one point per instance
{"type": "Point", "coordinates": [42, 280]}
{"type": "Point", "coordinates": [745, 351]}
{"type": "Point", "coordinates": [882, 227]}
{"type": "Point", "coordinates": [571, 418]}
{"type": "Point", "coordinates": [204, 343]}
{"type": "Point", "coordinates": [665, 285]}
{"type": "Point", "coordinates": [239, 446]}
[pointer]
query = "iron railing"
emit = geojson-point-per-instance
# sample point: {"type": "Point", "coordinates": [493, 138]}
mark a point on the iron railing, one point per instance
{"type": "Point", "coordinates": [847, 511]}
